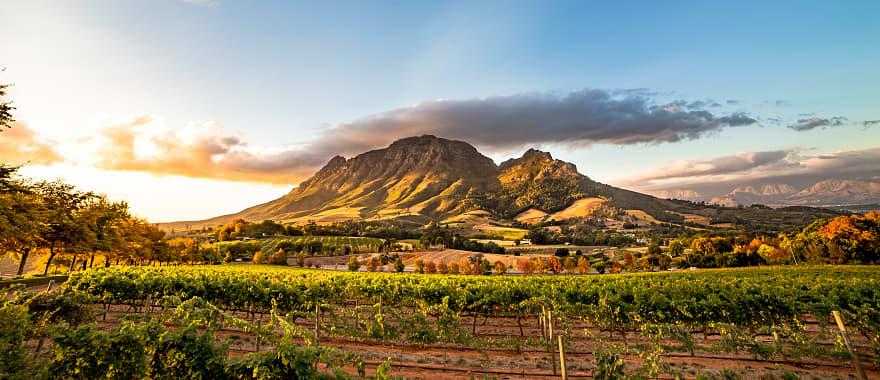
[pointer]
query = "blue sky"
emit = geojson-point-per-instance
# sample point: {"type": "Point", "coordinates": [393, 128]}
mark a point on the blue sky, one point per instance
{"type": "Point", "coordinates": [280, 74]}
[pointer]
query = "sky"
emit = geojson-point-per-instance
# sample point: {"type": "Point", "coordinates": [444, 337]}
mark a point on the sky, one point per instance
{"type": "Point", "coordinates": [191, 109]}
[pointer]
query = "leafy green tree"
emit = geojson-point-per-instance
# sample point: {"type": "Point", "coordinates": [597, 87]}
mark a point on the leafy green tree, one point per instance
{"type": "Point", "coordinates": [22, 224]}
{"type": "Point", "coordinates": [67, 230]}
{"type": "Point", "coordinates": [676, 248]}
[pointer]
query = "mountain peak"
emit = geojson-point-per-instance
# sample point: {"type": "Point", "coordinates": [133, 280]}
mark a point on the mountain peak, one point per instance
{"type": "Point", "coordinates": [533, 153]}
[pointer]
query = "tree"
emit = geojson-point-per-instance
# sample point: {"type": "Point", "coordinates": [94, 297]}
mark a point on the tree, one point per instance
{"type": "Point", "coordinates": [454, 268]}
{"type": "Point", "coordinates": [22, 222]}
{"type": "Point", "coordinates": [570, 264]}
{"type": "Point", "coordinates": [654, 248]}
{"type": "Point", "coordinates": [561, 252]}
{"type": "Point", "coordinates": [353, 264]}
{"type": "Point", "coordinates": [398, 265]}
{"type": "Point", "coordinates": [500, 268]}
{"type": "Point", "coordinates": [676, 248]}
{"type": "Point", "coordinates": [554, 265]}
{"type": "Point", "coordinates": [67, 229]}
{"type": "Point", "coordinates": [6, 109]}
{"type": "Point", "coordinates": [373, 264]}
{"type": "Point", "coordinates": [420, 266]}
{"type": "Point", "coordinates": [583, 265]}
{"type": "Point", "coordinates": [278, 258]}
{"type": "Point", "coordinates": [629, 261]}
{"type": "Point", "coordinates": [442, 268]}
{"type": "Point", "coordinates": [525, 266]}
{"type": "Point", "coordinates": [104, 218]}
{"type": "Point", "coordinates": [430, 267]}
{"type": "Point", "coordinates": [258, 258]}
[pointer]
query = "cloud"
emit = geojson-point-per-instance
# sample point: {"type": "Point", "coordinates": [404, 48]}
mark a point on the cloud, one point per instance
{"type": "Point", "coordinates": [21, 145]}
{"type": "Point", "coordinates": [496, 123]}
{"type": "Point", "coordinates": [789, 166]}
{"type": "Point", "coordinates": [782, 103]}
{"type": "Point", "coordinates": [870, 123]}
{"type": "Point", "coordinates": [502, 122]}
{"type": "Point", "coordinates": [713, 167]}
{"type": "Point", "coordinates": [197, 150]}
{"type": "Point", "coordinates": [811, 123]}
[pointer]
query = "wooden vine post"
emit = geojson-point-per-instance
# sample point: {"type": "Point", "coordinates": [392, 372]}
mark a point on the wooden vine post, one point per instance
{"type": "Point", "coordinates": [562, 359]}
{"type": "Point", "coordinates": [855, 356]}
{"type": "Point", "coordinates": [549, 318]}
{"type": "Point", "coordinates": [317, 322]}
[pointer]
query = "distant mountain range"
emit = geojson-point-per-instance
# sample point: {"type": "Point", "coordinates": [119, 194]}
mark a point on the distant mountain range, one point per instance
{"type": "Point", "coordinates": [827, 193]}
{"type": "Point", "coordinates": [418, 179]}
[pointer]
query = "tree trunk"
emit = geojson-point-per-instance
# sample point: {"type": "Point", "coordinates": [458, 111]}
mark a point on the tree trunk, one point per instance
{"type": "Point", "coordinates": [24, 257]}
{"type": "Point", "coordinates": [72, 263]}
{"type": "Point", "coordinates": [92, 260]}
{"type": "Point", "coordinates": [51, 256]}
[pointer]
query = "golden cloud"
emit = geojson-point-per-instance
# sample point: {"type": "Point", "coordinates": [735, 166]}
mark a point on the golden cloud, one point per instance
{"type": "Point", "coordinates": [21, 145]}
{"type": "Point", "coordinates": [202, 150]}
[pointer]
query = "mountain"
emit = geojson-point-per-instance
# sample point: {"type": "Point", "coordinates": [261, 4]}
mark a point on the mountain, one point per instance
{"type": "Point", "coordinates": [768, 194]}
{"type": "Point", "coordinates": [830, 192]}
{"type": "Point", "coordinates": [430, 178]}
{"type": "Point", "coordinates": [838, 192]}
{"type": "Point", "coordinates": [424, 175]}
{"type": "Point", "coordinates": [683, 194]}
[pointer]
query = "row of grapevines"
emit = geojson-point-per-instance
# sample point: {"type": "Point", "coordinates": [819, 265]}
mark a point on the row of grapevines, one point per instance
{"type": "Point", "coordinates": [752, 296]}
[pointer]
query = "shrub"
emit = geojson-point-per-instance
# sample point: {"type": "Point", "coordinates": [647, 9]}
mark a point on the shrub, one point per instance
{"type": "Point", "coordinates": [398, 265]}
{"type": "Point", "coordinates": [14, 327]}
{"type": "Point", "coordinates": [454, 268]}
{"type": "Point", "coordinates": [353, 264]}
{"type": "Point", "coordinates": [89, 353]}
{"type": "Point", "coordinates": [561, 252]}
{"type": "Point", "coordinates": [278, 258]}
{"type": "Point", "coordinates": [187, 354]}
{"type": "Point", "coordinates": [258, 258]}
{"type": "Point", "coordinates": [583, 265]}
{"type": "Point", "coordinates": [500, 268]}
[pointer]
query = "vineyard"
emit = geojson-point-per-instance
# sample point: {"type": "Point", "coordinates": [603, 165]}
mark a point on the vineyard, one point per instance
{"type": "Point", "coordinates": [771, 320]}
{"type": "Point", "coordinates": [311, 245]}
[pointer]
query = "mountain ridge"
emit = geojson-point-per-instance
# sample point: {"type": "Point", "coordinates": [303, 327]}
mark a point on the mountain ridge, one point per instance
{"type": "Point", "coordinates": [425, 178]}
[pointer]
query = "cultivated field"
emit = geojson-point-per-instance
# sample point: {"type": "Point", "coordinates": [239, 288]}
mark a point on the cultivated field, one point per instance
{"type": "Point", "coordinates": [751, 322]}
